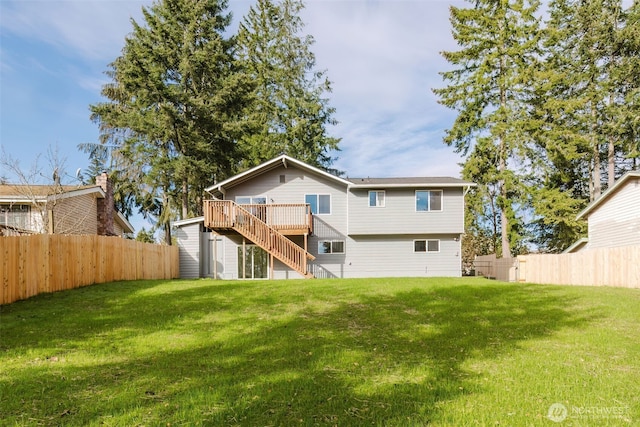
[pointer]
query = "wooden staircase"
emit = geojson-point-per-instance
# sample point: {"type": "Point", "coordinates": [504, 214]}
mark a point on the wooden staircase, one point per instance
{"type": "Point", "coordinates": [228, 215]}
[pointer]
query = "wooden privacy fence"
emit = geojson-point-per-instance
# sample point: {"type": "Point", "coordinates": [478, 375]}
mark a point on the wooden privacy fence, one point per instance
{"type": "Point", "coordinates": [593, 267]}
{"type": "Point", "coordinates": [30, 265]}
{"type": "Point", "coordinates": [504, 269]}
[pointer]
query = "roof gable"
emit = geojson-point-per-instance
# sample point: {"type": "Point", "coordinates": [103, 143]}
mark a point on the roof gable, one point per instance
{"type": "Point", "coordinates": [81, 191]}
{"type": "Point", "coordinates": [274, 163]}
{"type": "Point", "coordinates": [123, 222]}
{"type": "Point", "coordinates": [627, 177]}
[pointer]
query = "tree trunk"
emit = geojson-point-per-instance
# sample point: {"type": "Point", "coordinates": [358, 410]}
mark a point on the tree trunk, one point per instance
{"type": "Point", "coordinates": [185, 199]}
{"type": "Point", "coordinates": [503, 200]}
{"type": "Point", "coordinates": [494, 221]}
{"type": "Point", "coordinates": [502, 167]}
{"type": "Point", "coordinates": [611, 156]}
{"type": "Point", "coordinates": [165, 215]}
{"type": "Point", "coordinates": [611, 163]}
{"type": "Point", "coordinates": [506, 250]}
{"type": "Point", "coordinates": [596, 177]}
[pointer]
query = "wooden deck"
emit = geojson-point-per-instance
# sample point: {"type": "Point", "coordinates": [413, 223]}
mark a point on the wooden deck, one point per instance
{"type": "Point", "coordinates": [289, 219]}
{"type": "Point", "coordinates": [267, 226]}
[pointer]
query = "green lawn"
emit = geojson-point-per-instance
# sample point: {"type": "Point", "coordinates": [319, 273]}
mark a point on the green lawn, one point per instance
{"type": "Point", "coordinates": [392, 352]}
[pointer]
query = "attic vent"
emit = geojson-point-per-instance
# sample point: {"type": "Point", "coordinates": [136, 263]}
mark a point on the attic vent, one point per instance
{"type": "Point", "coordinates": [282, 179]}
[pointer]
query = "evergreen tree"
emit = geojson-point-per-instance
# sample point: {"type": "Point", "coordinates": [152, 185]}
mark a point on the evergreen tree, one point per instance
{"type": "Point", "coordinates": [105, 158]}
{"type": "Point", "coordinates": [628, 83]}
{"type": "Point", "coordinates": [584, 112]}
{"type": "Point", "coordinates": [97, 165]}
{"type": "Point", "coordinates": [175, 105]}
{"type": "Point", "coordinates": [290, 113]}
{"type": "Point", "coordinates": [145, 236]}
{"type": "Point", "coordinates": [489, 88]}
{"type": "Point", "coordinates": [578, 88]}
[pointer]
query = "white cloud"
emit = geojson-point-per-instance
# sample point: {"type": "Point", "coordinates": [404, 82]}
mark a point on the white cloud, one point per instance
{"type": "Point", "coordinates": [383, 59]}
{"type": "Point", "coordinates": [379, 54]}
{"type": "Point", "coordinates": [88, 29]}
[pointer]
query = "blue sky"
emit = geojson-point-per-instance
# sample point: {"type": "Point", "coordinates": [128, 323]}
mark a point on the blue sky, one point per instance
{"type": "Point", "coordinates": [381, 56]}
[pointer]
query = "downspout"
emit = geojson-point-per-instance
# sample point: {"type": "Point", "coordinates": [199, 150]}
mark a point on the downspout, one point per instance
{"type": "Point", "coordinates": [465, 191]}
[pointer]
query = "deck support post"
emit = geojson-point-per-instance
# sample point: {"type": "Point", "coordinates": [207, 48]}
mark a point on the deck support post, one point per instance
{"type": "Point", "coordinates": [271, 266]}
{"type": "Point", "coordinates": [215, 257]}
{"type": "Point", "coordinates": [244, 258]}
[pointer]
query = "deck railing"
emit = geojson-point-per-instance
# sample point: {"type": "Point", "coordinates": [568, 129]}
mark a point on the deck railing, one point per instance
{"type": "Point", "coordinates": [284, 217]}
{"type": "Point", "coordinates": [249, 221]}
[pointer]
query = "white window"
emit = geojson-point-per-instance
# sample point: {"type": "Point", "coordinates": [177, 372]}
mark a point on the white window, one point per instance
{"type": "Point", "coordinates": [376, 199]}
{"type": "Point", "coordinates": [18, 216]}
{"type": "Point", "coordinates": [254, 205]}
{"type": "Point", "coordinates": [428, 200]}
{"type": "Point", "coordinates": [248, 200]}
{"type": "Point", "coordinates": [320, 203]}
{"type": "Point", "coordinates": [331, 247]}
{"type": "Point", "coordinates": [426, 245]}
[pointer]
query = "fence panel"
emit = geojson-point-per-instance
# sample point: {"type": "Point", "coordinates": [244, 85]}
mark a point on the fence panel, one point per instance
{"type": "Point", "coordinates": [593, 267]}
{"type": "Point", "coordinates": [30, 265]}
{"type": "Point", "coordinates": [504, 269]}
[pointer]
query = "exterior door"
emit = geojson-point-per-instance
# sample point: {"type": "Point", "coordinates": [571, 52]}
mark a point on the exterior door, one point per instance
{"type": "Point", "coordinates": [212, 256]}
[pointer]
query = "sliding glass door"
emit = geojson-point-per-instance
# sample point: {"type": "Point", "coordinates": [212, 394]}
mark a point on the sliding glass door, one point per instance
{"type": "Point", "coordinates": [253, 262]}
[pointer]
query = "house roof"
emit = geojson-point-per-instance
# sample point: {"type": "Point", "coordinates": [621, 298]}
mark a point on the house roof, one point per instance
{"type": "Point", "coordinates": [610, 192]}
{"type": "Point", "coordinates": [188, 221]}
{"type": "Point", "coordinates": [282, 160]}
{"type": "Point", "coordinates": [285, 161]}
{"type": "Point", "coordinates": [409, 182]}
{"type": "Point", "coordinates": [576, 246]}
{"type": "Point", "coordinates": [81, 191]}
{"type": "Point", "coordinates": [33, 193]}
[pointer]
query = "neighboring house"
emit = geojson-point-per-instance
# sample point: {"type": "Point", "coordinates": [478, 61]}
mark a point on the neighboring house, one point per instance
{"type": "Point", "coordinates": [286, 219]}
{"type": "Point", "coordinates": [614, 218]}
{"type": "Point", "coordinates": [57, 209]}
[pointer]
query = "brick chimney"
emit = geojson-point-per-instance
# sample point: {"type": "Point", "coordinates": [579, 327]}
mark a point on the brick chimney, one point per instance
{"type": "Point", "coordinates": [106, 209]}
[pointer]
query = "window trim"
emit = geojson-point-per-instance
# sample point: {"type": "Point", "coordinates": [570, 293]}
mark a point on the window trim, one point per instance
{"type": "Point", "coordinates": [321, 242]}
{"type": "Point", "coordinates": [426, 246]}
{"type": "Point", "coordinates": [317, 195]}
{"type": "Point", "coordinates": [429, 201]}
{"type": "Point", "coordinates": [384, 198]}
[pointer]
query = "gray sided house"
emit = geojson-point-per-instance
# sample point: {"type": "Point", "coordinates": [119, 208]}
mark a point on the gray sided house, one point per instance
{"type": "Point", "coordinates": [286, 219]}
{"type": "Point", "coordinates": [613, 219]}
